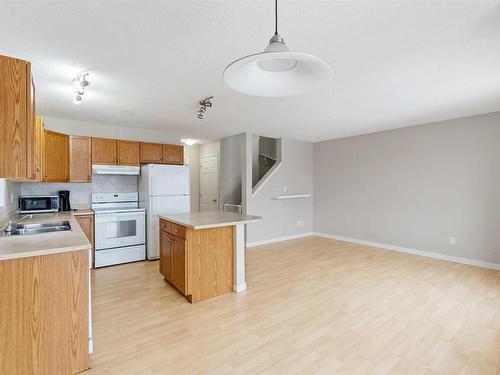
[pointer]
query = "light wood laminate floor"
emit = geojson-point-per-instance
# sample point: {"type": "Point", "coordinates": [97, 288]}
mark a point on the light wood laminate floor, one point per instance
{"type": "Point", "coordinates": [313, 305]}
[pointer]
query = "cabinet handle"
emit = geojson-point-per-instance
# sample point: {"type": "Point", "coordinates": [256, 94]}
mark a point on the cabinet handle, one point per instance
{"type": "Point", "coordinates": [90, 177]}
{"type": "Point", "coordinates": [38, 169]}
{"type": "Point", "coordinates": [169, 240]}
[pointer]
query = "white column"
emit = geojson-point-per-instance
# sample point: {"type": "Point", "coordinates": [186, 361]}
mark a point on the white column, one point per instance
{"type": "Point", "coordinates": [239, 258]}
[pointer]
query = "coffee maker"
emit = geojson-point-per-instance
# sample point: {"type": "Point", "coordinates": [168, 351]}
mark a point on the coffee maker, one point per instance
{"type": "Point", "coordinates": [64, 204]}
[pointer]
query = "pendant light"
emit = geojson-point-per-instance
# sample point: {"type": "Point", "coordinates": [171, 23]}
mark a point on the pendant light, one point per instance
{"type": "Point", "coordinates": [277, 72]}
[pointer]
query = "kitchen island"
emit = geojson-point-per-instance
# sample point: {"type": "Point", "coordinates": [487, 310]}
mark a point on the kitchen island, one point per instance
{"type": "Point", "coordinates": [202, 254]}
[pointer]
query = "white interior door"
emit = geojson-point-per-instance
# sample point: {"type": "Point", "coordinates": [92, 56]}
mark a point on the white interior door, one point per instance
{"type": "Point", "coordinates": [209, 183]}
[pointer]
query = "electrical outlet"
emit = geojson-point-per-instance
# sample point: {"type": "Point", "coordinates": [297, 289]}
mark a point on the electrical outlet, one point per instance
{"type": "Point", "coordinates": [11, 198]}
{"type": "Point", "coordinates": [285, 189]}
{"type": "Point", "coordinates": [453, 240]}
{"type": "Point", "coordinates": [300, 223]}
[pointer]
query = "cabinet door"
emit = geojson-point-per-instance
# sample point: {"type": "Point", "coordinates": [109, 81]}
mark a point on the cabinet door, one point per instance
{"type": "Point", "coordinates": [33, 168]}
{"type": "Point", "coordinates": [128, 152]}
{"type": "Point", "coordinates": [80, 159]}
{"type": "Point", "coordinates": [173, 154]}
{"type": "Point", "coordinates": [39, 129]}
{"type": "Point", "coordinates": [151, 153]}
{"type": "Point", "coordinates": [179, 264]}
{"type": "Point", "coordinates": [13, 113]}
{"type": "Point", "coordinates": [55, 157]}
{"type": "Point", "coordinates": [104, 151]}
{"type": "Point", "coordinates": [166, 250]}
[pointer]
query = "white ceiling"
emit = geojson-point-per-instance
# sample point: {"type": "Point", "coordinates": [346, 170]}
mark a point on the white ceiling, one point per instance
{"type": "Point", "coordinates": [395, 63]}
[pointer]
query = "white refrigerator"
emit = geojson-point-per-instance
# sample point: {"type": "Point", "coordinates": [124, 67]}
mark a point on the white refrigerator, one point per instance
{"type": "Point", "coordinates": [163, 189]}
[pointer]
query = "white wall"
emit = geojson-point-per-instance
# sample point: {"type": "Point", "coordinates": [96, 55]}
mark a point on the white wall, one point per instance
{"type": "Point", "coordinates": [80, 194]}
{"type": "Point", "coordinates": [280, 218]}
{"type": "Point", "coordinates": [208, 149]}
{"type": "Point", "coordinates": [415, 187]}
{"type": "Point", "coordinates": [9, 193]}
{"type": "Point", "coordinates": [192, 158]}
{"type": "Point", "coordinates": [90, 129]}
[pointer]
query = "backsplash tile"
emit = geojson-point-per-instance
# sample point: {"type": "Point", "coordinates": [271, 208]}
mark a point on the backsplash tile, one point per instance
{"type": "Point", "coordinates": [81, 193]}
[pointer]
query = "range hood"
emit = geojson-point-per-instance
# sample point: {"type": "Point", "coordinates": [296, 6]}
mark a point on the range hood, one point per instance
{"type": "Point", "coordinates": [116, 169]}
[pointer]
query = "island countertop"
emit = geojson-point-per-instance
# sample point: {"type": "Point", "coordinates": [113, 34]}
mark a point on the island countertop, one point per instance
{"type": "Point", "coordinates": [209, 219]}
{"type": "Point", "coordinates": [12, 247]}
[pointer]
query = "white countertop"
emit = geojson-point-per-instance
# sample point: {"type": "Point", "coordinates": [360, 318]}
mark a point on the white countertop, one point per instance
{"type": "Point", "coordinates": [209, 219]}
{"type": "Point", "coordinates": [12, 247]}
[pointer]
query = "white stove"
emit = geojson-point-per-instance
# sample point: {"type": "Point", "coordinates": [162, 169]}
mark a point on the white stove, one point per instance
{"type": "Point", "coordinates": [120, 228]}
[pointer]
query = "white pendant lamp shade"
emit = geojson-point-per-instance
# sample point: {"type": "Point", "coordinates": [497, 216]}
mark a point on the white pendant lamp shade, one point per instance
{"type": "Point", "coordinates": [250, 76]}
{"type": "Point", "coordinates": [277, 72]}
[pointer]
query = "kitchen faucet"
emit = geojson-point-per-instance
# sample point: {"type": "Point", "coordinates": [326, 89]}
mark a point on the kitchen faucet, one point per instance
{"type": "Point", "coordinates": [10, 226]}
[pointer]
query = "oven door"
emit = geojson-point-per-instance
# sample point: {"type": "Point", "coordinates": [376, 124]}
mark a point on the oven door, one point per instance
{"type": "Point", "coordinates": [119, 229]}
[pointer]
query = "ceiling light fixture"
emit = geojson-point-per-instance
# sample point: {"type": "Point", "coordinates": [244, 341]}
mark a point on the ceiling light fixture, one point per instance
{"type": "Point", "coordinates": [204, 104]}
{"type": "Point", "coordinates": [189, 141]}
{"type": "Point", "coordinates": [277, 72]}
{"type": "Point", "coordinates": [79, 83]}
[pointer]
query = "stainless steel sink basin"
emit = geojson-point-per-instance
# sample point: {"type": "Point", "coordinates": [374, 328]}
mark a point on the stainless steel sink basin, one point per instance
{"type": "Point", "coordinates": [25, 229]}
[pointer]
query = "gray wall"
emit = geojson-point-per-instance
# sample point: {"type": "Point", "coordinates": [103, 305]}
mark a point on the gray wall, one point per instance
{"type": "Point", "coordinates": [415, 187]}
{"type": "Point", "coordinates": [281, 217]}
{"type": "Point", "coordinates": [231, 168]}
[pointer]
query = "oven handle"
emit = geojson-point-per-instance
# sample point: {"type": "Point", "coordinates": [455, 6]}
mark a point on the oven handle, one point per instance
{"type": "Point", "coordinates": [109, 217]}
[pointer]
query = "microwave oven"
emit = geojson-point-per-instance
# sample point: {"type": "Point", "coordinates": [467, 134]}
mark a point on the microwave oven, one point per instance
{"type": "Point", "coordinates": [35, 204]}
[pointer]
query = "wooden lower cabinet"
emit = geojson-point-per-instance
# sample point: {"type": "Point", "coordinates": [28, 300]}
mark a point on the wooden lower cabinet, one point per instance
{"type": "Point", "coordinates": [198, 263]}
{"type": "Point", "coordinates": [44, 325]}
{"type": "Point", "coordinates": [166, 253]}
{"type": "Point", "coordinates": [87, 224]}
{"type": "Point", "coordinates": [179, 264]}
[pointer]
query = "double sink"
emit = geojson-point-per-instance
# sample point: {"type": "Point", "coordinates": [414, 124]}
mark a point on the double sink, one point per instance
{"type": "Point", "coordinates": [35, 228]}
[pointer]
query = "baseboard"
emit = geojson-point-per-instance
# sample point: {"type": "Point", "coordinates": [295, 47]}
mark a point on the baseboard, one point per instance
{"type": "Point", "coordinates": [279, 239]}
{"type": "Point", "coordinates": [450, 258]}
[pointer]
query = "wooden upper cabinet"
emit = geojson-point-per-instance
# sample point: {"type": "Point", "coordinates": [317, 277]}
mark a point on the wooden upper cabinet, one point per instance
{"type": "Point", "coordinates": [39, 134]}
{"type": "Point", "coordinates": [151, 153]}
{"type": "Point", "coordinates": [173, 154]}
{"type": "Point", "coordinates": [80, 159]}
{"type": "Point", "coordinates": [104, 151]}
{"type": "Point", "coordinates": [33, 165]}
{"type": "Point", "coordinates": [55, 157]}
{"type": "Point", "coordinates": [14, 101]}
{"type": "Point", "coordinates": [128, 152]}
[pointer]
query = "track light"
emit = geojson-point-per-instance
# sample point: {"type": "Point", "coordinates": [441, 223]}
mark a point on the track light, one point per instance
{"type": "Point", "coordinates": [77, 99]}
{"type": "Point", "coordinates": [204, 104]}
{"type": "Point", "coordinates": [79, 83]}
